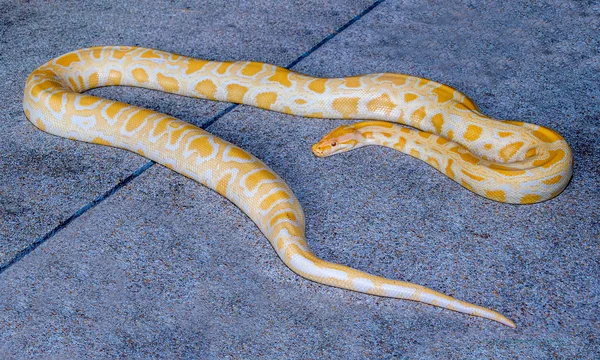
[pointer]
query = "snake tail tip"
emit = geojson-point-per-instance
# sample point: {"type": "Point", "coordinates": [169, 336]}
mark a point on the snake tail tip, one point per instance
{"type": "Point", "coordinates": [508, 323]}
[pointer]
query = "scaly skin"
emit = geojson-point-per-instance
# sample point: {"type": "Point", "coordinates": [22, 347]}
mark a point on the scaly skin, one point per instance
{"type": "Point", "coordinates": [543, 174]}
{"type": "Point", "coordinates": [53, 103]}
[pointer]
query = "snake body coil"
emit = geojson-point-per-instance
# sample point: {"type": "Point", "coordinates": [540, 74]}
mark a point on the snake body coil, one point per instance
{"type": "Point", "coordinates": [534, 163]}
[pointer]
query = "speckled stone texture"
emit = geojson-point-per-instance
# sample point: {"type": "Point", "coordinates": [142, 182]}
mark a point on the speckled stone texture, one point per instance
{"type": "Point", "coordinates": [165, 268]}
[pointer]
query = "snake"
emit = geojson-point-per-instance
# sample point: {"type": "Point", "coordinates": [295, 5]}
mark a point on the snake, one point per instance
{"type": "Point", "coordinates": [506, 161]}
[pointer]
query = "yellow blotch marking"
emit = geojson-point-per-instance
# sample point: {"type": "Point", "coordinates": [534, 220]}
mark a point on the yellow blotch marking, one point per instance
{"type": "Point", "coordinates": [424, 134]}
{"type": "Point", "coordinates": [73, 84]}
{"type": "Point", "coordinates": [206, 88]}
{"type": "Point", "coordinates": [169, 84]}
{"type": "Point", "coordinates": [382, 103]}
{"type": "Point", "coordinates": [487, 146]}
{"type": "Point", "coordinates": [281, 76]}
{"type": "Point", "coordinates": [504, 133]}
{"type": "Point", "coordinates": [222, 69]}
{"type": "Point", "coordinates": [160, 127]}
{"type": "Point", "coordinates": [531, 152]}
{"type": "Point", "coordinates": [449, 171]}
{"type": "Point", "coordinates": [473, 132]}
{"type": "Point", "coordinates": [422, 82]}
{"type": "Point", "coordinates": [408, 97]}
{"type": "Point", "coordinates": [438, 122]}
{"type": "Point", "coordinates": [97, 52]}
{"type": "Point", "coordinates": [42, 73]}
{"type": "Point", "coordinates": [546, 135]}
{"type": "Point", "coordinates": [516, 123]}
{"type": "Point", "coordinates": [137, 120]}
{"type": "Point", "coordinates": [498, 195]}
{"type": "Point", "coordinates": [450, 134]}
{"type": "Point", "coordinates": [553, 180]}
{"type": "Point", "coordinates": [469, 103]}
{"type": "Point", "coordinates": [40, 125]}
{"type": "Point", "coordinates": [467, 185]}
{"type": "Point", "coordinates": [300, 101]}
{"type": "Point", "coordinates": [315, 115]}
{"type": "Point", "coordinates": [140, 75]}
{"type": "Point", "coordinates": [352, 82]}
{"type": "Point", "coordinates": [176, 134]}
{"type": "Point", "coordinates": [368, 134]}
{"type": "Point", "coordinates": [317, 85]}
{"type": "Point", "coordinates": [468, 157]}
{"type": "Point", "coordinates": [415, 153]}
{"type": "Point", "coordinates": [433, 162]}
{"type": "Point", "coordinates": [265, 100]}
{"type": "Point", "coordinates": [510, 150]}
{"type": "Point", "coordinates": [440, 140]}
{"type": "Point", "coordinates": [223, 184]}
{"type": "Point", "coordinates": [114, 77]}
{"type": "Point", "coordinates": [461, 106]}
{"type": "Point", "coordinates": [235, 92]}
{"type": "Point", "coordinates": [67, 59]}
{"type": "Point", "coordinates": [418, 115]}
{"type": "Point", "coordinates": [401, 143]}
{"type": "Point", "coordinates": [554, 157]}
{"type": "Point", "coordinates": [119, 54]}
{"type": "Point", "coordinates": [93, 80]}
{"type": "Point", "coordinates": [85, 100]}
{"type": "Point", "coordinates": [273, 198]}
{"type": "Point", "coordinates": [505, 170]}
{"type": "Point", "coordinates": [347, 106]}
{"type": "Point", "coordinates": [364, 124]}
{"type": "Point", "coordinates": [39, 87]}
{"type": "Point", "coordinates": [56, 102]}
{"type": "Point", "coordinates": [530, 199]}
{"type": "Point", "coordinates": [396, 79]}
{"type": "Point", "coordinates": [28, 113]}
{"type": "Point", "coordinates": [114, 108]}
{"type": "Point", "coordinates": [202, 146]}
{"type": "Point", "coordinates": [472, 176]}
{"type": "Point", "coordinates": [253, 180]}
{"type": "Point", "coordinates": [194, 65]}
{"type": "Point", "coordinates": [443, 93]}
{"type": "Point", "coordinates": [286, 215]}
{"type": "Point", "coordinates": [80, 79]}
{"type": "Point", "coordinates": [239, 153]}
{"type": "Point", "coordinates": [149, 54]}
{"type": "Point", "coordinates": [101, 141]}
{"type": "Point", "coordinates": [252, 69]}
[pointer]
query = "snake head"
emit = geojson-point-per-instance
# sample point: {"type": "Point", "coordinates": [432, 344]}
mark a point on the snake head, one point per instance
{"type": "Point", "coordinates": [340, 140]}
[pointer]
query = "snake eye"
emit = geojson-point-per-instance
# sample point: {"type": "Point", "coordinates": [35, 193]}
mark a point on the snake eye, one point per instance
{"type": "Point", "coordinates": [333, 144]}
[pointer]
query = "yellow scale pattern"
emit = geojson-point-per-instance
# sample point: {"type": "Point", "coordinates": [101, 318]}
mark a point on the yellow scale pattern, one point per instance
{"type": "Point", "coordinates": [455, 138]}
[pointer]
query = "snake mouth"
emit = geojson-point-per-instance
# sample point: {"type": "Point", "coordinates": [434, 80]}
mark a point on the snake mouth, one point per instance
{"type": "Point", "coordinates": [319, 150]}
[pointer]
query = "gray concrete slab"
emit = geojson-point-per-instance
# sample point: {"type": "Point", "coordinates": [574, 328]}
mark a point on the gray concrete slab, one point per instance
{"type": "Point", "coordinates": [166, 268]}
{"type": "Point", "coordinates": [392, 215]}
{"type": "Point", "coordinates": [45, 179]}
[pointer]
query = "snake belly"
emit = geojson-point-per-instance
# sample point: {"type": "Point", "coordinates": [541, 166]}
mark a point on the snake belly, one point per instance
{"type": "Point", "coordinates": [53, 102]}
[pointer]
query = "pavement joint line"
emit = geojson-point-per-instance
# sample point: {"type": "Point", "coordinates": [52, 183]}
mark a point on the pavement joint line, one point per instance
{"type": "Point", "coordinates": [304, 55]}
{"type": "Point", "coordinates": [24, 252]}
{"type": "Point", "coordinates": [77, 214]}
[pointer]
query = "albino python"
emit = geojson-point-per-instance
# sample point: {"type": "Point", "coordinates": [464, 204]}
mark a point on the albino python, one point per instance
{"type": "Point", "coordinates": [505, 161]}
